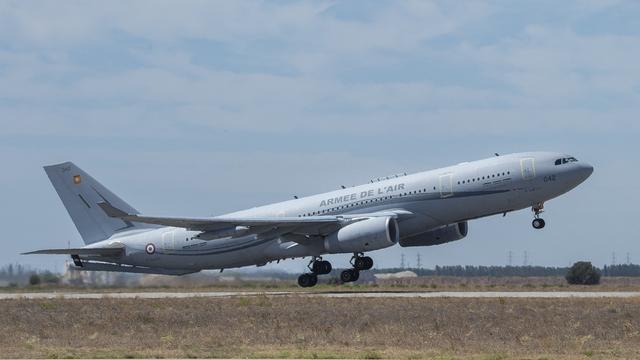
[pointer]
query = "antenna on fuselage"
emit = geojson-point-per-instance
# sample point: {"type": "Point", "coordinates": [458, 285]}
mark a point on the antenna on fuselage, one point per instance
{"type": "Point", "coordinates": [342, 186]}
{"type": "Point", "coordinates": [295, 196]}
{"type": "Point", "coordinates": [496, 154]}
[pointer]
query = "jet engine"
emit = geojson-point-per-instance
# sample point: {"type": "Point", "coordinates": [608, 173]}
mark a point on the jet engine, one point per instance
{"type": "Point", "coordinates": [366, 235]}
{"type": "Point", "coordinates": [441, 235]}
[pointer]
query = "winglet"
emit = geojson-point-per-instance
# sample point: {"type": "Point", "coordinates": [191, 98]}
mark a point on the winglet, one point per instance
{"type": "Point", "coordinates": [112, 211]}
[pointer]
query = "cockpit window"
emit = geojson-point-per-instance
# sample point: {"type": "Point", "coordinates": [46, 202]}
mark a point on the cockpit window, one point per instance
{"type": "Point", "coordinates": [566, 160]}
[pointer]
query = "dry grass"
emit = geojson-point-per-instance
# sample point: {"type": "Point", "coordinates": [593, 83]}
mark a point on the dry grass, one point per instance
{"type": "Point", "coordinates": [424, 283]}
{"type": "Point", "coordinates": [513, 283]}
{"type": "Point", "coordinates": [306, 327]}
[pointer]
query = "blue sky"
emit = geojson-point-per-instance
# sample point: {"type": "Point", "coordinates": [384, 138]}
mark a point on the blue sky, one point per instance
{"type": "Point", "coordinates": [201, 108]}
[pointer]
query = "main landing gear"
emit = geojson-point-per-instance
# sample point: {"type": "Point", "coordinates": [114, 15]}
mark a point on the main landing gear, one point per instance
{"type": "Point", "coordinates": [538, 222]}
{"type": "Point", "coordinates": [317, 266]}
{"type": "Point", "coordinates": [359, 262]}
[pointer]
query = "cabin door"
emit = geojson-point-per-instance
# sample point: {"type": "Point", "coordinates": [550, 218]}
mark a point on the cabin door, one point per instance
{"type": "Point", "coordinates": [528, 168]}
{"type": "Point", "coordinates": [168, 241]}
{"type": "Point", "coordinates": [446, 185]}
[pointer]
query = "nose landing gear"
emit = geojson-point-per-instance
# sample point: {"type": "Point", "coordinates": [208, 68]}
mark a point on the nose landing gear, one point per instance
{"type": "Point", "coordinates": [538, 222]}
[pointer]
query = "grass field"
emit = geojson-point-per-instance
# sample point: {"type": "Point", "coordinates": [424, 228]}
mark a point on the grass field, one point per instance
{"type": "Point", "coordinates": [300, 327]}
{"type": "Point", "coordinates": [423, 283]}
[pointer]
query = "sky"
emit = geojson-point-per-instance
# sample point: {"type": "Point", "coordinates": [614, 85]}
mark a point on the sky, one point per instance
{"type": "Point", "coordinates": [199, 108]}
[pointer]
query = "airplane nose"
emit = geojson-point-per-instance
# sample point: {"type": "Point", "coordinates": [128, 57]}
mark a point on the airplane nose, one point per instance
{"type": "Point", "coordinates": [583, 171]}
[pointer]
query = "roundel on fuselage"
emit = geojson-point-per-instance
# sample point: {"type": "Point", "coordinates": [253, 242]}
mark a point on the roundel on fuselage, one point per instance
{"type": "Point", "coordinates": [150, 249]}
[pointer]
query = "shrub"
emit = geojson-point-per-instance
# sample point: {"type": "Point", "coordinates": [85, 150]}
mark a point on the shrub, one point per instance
{"type": "Point", "coordinates": [583, 273]}
{"type": "Point", "coordinates": [34, 279]}
{"type": "Point", "coordinates": [50, 278]}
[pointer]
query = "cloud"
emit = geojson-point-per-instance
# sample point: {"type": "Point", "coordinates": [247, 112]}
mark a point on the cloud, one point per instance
{"type": "Point", "coordinates": [85, 68]}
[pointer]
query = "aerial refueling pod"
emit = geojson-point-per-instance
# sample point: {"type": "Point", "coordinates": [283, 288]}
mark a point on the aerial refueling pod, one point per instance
{"type": "Point", "coordinates": [366, 235]}
{"type": "Point", "coordinates": [441, 235]}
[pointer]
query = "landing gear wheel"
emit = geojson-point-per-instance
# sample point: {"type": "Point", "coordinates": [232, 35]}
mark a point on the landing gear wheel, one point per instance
{"type": "Point", "coordinates": [321, 267]}
{"type": "Point", "coordinates": [368, 262]}
{"type": "Point", "coordinates": [349, 275]}
{"type": "Point", "coordinates": [307, 280]}
{"type": "Point", "coordinates": [538, 223]}
{"type": "Point", "coordinates": [363, 263]}
{"type": "Point", "coordinates": [356, 274]}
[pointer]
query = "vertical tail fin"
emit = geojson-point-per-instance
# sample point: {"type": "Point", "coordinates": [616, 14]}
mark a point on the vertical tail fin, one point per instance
{"type": "Point", "coordinates": [80, 194]}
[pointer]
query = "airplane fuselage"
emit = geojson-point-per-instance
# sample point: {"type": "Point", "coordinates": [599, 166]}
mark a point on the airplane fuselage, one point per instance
{"type": "Point", "coordinates": [425, 201]}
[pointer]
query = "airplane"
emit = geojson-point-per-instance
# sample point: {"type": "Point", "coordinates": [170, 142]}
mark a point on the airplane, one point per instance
{"type": "Point", "coordinates": [423, 209]}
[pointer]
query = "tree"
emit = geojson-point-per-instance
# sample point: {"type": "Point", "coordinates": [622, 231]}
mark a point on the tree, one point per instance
{"type": "Point", "coordinates": [583, 273]}
{"type": "Point", "coordinates": [50, 278]}
{"type": "Point", "coordinates": [34, 279]}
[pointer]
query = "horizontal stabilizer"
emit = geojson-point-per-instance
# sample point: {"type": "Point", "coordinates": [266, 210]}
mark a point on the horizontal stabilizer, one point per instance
{"type": "Point", "coordinates": [110, 252]}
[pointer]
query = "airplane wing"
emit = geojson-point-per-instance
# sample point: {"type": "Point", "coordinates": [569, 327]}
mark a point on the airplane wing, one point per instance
{"type": "Point", "coordinates": [216, 223]}
{"type": "Point", "coordinates": [309, 224]}
{"type": "Point", "coordinates": [109, 252]}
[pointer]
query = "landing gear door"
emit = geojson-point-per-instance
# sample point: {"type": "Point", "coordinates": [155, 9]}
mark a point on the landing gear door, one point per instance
{"type": "Point", "coordinates": [446, 185]}
{"type": "Point", "coordinates": [528, 168]}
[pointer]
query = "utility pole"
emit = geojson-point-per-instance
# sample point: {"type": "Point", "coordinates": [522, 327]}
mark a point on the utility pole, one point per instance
{"type": "Point", "coordinates": [510, 258]}
{"type": "Point", "coordinates": [525, 261]}
{"type": "Point", "coordinates": [418, 262]}
{"type": "Point", "coordinates": [402, 261]}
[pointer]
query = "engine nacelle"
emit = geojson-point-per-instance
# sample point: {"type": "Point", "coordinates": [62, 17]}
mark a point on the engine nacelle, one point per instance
{"type": "Point", "coordinates": [366, 235]}
{"type": "Point", "coordinates": [438, 236]}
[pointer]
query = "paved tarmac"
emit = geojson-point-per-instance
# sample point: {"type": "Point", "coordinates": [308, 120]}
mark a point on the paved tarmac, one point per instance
{"type": "Point", "coordinates": [345, 294]}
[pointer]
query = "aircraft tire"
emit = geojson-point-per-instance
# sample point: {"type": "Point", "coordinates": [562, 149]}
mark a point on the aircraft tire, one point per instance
{"type": "Point", "coordinates": [326, 267]}
{"type": "Point", "coordinates": [307, 280]}
{"type": "Point", "coordinates": [368, 263]}
{"type": "Point", "coordinates": [321, 267]}
{"type": "Point", "coordinates": [363, 263]}
{"type": "Point", "coordinates": [538, 223]}
{"type": "Point", "coordinates": [349, 275]}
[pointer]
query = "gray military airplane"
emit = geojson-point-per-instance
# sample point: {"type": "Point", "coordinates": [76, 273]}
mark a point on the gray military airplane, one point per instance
{"type": "Point", "coordinates": [423, 209]}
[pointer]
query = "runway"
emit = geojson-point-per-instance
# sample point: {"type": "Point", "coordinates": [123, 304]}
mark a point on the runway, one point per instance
{"type": "Point", "coordinates": [342, 294]}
